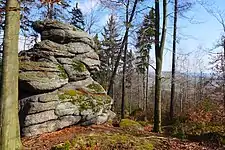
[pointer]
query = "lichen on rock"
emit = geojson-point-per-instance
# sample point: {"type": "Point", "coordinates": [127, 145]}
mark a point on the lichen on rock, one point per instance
{"type": "Point", "coordinates": [79, 66]}
{"type": "Point", "coordinates": [55, 85]}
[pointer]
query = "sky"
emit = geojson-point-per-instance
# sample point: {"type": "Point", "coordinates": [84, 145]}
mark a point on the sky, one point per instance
{"type": "Point", "coordinates": [196, 35]}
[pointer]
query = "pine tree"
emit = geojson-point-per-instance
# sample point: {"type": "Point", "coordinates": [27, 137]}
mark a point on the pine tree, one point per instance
{"type": "Point", "coordinates": [99, 75]}
{"type": "Point", "coordinates": [77, 18]}
{"type": "Point", "coordinates": [144, 44]}
{"type": "Point", "coordinates": [97, 43]}
{"type": "Point", "coordinates": [110, 47]}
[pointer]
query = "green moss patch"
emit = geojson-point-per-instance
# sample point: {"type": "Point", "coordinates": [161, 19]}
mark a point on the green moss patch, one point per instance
{"type": "Point", "coordinates": [41, 70]}
{"type": "Point", "coordinates": [35, 76]}
{"type": "Point", "coordinates": [144, 123]}
{"type": "Point", "coordinates": [85, 100]}
{"type": "Point", "coordinates": [79, 66]}
{"type": "Point", "coordinates": [32, 65]}
{"type": "Point", "coordinates": [96, 88]}
{"type": "Point", "coordinates": [106, 142]}
{"type": "Point", "coordinates": [62, 72]}
{"type": "Point", "coordinates": [127, 123]}
{"type": "Point", "coordinates": [64, 146]}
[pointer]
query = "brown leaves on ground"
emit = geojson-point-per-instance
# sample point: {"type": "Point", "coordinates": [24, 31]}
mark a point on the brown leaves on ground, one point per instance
{"type": "Point", "coordinates": [160, 142]}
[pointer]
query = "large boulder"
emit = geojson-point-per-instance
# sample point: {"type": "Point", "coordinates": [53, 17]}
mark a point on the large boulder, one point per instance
{"type": "Point", "coordinates": [55, 85]}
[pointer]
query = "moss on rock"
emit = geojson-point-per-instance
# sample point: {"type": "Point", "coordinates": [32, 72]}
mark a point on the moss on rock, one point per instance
{"type": "Point", "coordinates": [85, 100]}
{"type": "Point", "coordinates": [62, 72]}
{"type": "Point", "coordinates": [79, 66]}
{"type": "Point", "coordinates": [37, 70]}
{"type": "Point", "coordinates": [35, 76]}
{"type": "Point", "coordinates": [96, 88]}
{"type": "Point", "coordinates": [30, 65]}
{"type": "Point", "coordinates": [37, 66]}
{"type": "Point", "coordinates": [127, 123]}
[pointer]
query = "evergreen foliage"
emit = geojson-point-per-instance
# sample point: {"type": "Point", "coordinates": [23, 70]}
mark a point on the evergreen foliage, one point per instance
{"type": "Point", "coordinates": [144, 41]}
{"type": "Point", "coordinates": [110, 48]}
{"type": "Point", "coordinates": [77, 18]}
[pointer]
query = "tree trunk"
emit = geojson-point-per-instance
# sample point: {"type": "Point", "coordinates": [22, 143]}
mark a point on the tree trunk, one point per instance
{"type": "Point", "coordinates": [131, 98]}
{"type": "Point", "coordinates": [173, 61]}
{"type": "Point", "coordinates": [159, 47]}
{"type": "Point", "coordinates": [109, 92]}
{"type": "Point", "coordinates": [113, 84]}
{"type": "Point", "coordinates": [138, 90]}
{"type": "Point", "coordinates": [123, 81]}
{"type": "Point", "coordinates": [143, 91]}
{"type": "Point", "coordinates": [224, 75]}
{"type": "Point", "coordinates": [50, 11]}
{"type": "Point", "coordinates": [125, 64]}
{"type": "Point", "coordinates": [10, 131]}
{"type": "Point", "coordinates": [181, 98]}
{"type": "Point", "coordinates": [146, 87]}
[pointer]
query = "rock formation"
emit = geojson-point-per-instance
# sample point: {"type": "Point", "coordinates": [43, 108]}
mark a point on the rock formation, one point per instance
{"type": "Point", "coordinates": [56, 89]}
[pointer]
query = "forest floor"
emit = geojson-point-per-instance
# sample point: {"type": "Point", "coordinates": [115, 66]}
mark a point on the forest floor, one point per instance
{"type": "Point", "coordinates": [107, 137]}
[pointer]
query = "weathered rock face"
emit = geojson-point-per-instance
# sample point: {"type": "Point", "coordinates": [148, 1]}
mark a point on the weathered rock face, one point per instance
{"type": "Point", "coordinates": [56, 88]}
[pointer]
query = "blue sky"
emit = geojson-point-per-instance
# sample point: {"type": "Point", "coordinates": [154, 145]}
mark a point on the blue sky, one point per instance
{"type": "Point", "coordinates": [195, 36]}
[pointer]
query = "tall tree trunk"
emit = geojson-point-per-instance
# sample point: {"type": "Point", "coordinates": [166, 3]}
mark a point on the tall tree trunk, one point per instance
{"type": "Point", "coordinates": [123, 81]}
{"type": "Point", "coordinates": [157, 109]}
{"type": "Point", "coordinates": [9, 122]}
{"type": "Point", "coordinates": [50, 10]}
{"type": "Point", "coordinates": [143, 91]}
{"type": "Point", "coordinates": [125, 63]}
{"type": "Point", "coordinates": [131, 98]}
{"type": "Point", "coordinates": [201, 87]}
{"type": "Point", "coordinates": [173, 61]}
{"type": "Point", "coordinates": [224, 75]}
{"type": "Point", "coordinates": [113, 84]}
{"type": "Point", "coordinates": [109, 92]}
{"type": "Point", "coordinates": [146, 87]}
{"type": "Point", "coordinates": [159, 47]}
{"type": "Point", "coordinates": [181, 97]}
{"type": "Point", "coordinates": [195, 89]}
{"type": "Point", "coordinates": [138, 90]}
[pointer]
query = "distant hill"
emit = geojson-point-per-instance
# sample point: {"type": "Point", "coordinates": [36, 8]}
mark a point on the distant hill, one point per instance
{"type": "Point", "coordinates": [180, 77]}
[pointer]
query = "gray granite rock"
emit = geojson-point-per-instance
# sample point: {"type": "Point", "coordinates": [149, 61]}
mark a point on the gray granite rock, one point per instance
{"type": "Point", "coordinates": [56, 89]}
{"type": "Point", "coordinates": [40, 118]}
{"type": "Point", "coordinates": [66, 108]}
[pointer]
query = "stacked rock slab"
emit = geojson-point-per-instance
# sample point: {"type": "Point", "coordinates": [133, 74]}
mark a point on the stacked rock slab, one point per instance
{"type": "Point", "coordinates": [56, 89]}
